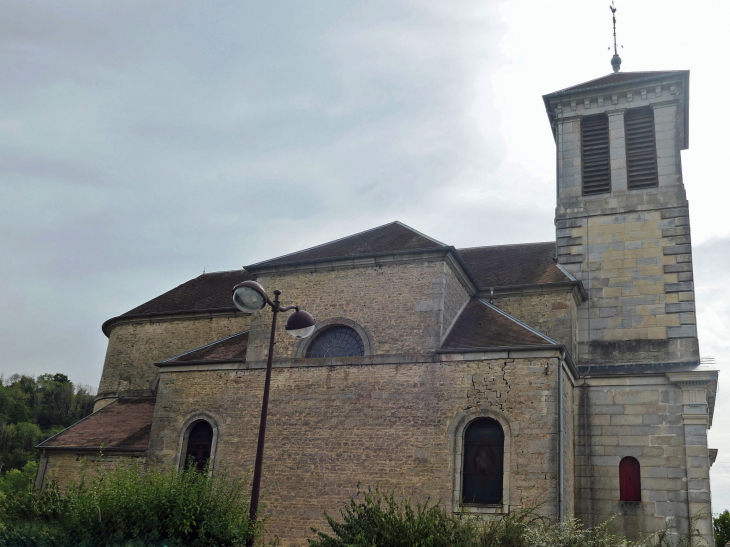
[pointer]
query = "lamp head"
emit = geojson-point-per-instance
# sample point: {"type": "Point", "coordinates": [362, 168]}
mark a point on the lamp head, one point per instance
{"type": "Point", "coordinates": [300, 324]}
{"type": "Point", "coordinates": [249, 296]}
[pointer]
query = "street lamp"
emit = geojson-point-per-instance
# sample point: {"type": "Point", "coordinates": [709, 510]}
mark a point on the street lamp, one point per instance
{"type": "Point", "coordinates": [250, 297]}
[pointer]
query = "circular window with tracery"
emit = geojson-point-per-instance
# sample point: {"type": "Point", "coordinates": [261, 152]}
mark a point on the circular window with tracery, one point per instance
{"type": "Point", "coordinates": [337, 341]}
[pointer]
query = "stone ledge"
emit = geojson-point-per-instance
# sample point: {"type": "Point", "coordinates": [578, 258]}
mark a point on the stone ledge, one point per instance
{"type": "Point", "coordinates": [680, 307]}
{"type": "Point", "coordinates": [677, 249]}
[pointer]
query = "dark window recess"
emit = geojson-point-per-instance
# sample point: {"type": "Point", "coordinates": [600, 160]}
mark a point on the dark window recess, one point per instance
{"type": "Point", "coordinates": [336, 342]}
{"type": "Point", "coordinates": [483, 462]}
{"type": "Point", "coordinates": [596, 159]}
{"type": "Point", "coordinates": [641, 148]}
{"type": "Point", "coordinates": [629, 472]}
{"type": "Point", "coordinates": [200, 441]}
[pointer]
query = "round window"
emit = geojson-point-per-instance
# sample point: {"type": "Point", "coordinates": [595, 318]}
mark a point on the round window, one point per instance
{"type": "Point", "coordinates": [337, 341]}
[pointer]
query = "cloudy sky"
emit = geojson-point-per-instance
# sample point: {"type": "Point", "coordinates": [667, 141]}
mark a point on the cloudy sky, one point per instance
{"type": "Point", "coordinates": [142, 142]}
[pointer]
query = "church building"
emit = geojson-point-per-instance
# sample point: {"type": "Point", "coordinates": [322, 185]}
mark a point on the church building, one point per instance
{"type": "Point", "coordinates": [564, 374]}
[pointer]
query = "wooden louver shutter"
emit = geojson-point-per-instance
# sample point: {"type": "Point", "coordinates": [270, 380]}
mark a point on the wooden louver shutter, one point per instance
{"type": "Point", "coordinates": [596, 160]}
{"type": "Point", "coordinates": [641, 148]}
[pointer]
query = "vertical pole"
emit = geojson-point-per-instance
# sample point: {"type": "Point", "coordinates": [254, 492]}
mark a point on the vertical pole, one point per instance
{"type": "Point", "coordinates": [256, 487]}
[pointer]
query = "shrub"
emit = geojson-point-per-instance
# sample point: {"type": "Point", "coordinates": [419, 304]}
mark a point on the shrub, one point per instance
{"type": "Point", "coordinates": [373, 519]}
{"type": "Point", "coordinates": [131, 506]}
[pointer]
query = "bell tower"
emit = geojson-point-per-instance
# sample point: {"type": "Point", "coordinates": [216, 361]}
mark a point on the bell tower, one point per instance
{"type": "Point", "coordinates": [622, 217]}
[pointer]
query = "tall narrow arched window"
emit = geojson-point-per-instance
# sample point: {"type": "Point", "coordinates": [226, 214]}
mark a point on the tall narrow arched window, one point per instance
{"type": "Point", "coordinates": [483, 467]}
{"type": "Point", "coordinates": [629, 472]}
{"type": "Point", "coordinates": [200, 443]}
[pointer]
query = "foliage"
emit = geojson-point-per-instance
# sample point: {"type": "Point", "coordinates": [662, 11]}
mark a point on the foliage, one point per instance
{"type": "Point", "coordinates": [16, 481]}
{"type": "Point", "coordinates": [380, 520]}
{"type": "Point", "coordinates": [722, 528]}
{"type": "Point", "coordinates": [374, 519]}
{"type": "Point", "coordinates": [130, 506]}
{"type": "Point", "coordinates": [33, 409]}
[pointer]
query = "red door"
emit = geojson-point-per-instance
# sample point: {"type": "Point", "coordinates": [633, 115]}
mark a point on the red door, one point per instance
{"type": "Point", "coordinates": [629, 473]}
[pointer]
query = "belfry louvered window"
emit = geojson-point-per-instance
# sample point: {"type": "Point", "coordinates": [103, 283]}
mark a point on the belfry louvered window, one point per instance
{"type": "Point", "coordinates": [596, 159]}
{"type": "Point", "coordinates": [640, 148]}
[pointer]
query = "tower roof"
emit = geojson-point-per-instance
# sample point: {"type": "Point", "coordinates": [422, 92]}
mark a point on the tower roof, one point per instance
{"type": "Point", "coordinates": [618, 78]}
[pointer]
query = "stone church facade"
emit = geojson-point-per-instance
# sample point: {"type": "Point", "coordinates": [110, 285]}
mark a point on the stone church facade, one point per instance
{"type": "Point", "coordinates": [564, 374]}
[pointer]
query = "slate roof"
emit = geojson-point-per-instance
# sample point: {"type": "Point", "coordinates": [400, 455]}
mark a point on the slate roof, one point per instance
{"type": "Point", "coordinates": [507, 265]}
{"type": "Point", "coordinates": [392, 237]}
{"type": "Point", "coordinates": [482, 325]}
{"type": "Point", "coordinates": [617, 78]}
{"type": "Point", "coordinates": [233, 347]}
{"type": "Point", "coordinates": [494, 266]}
{"type": "Point", "coordinates": [122, 425]}
{"type": "Point", "coordinates": [210, 291]}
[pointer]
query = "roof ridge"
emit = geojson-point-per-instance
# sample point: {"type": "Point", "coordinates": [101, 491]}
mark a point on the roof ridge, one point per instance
{"type": "Point", "coordinates": [520, 323]}
{"type": "Point", "coordinates": [217, 272]}
{"type": "Point", "coordinates": [506, 245]}
{"type": "Point", "coordinates": [350, 236]}
{"type": "Point", "coordinates": [322, 244]}
{"type": "Point", "coordinates": [420, 233]}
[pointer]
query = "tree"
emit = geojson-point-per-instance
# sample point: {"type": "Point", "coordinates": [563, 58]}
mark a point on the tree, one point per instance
{"type": "Point", "coordinates": [33, 409]}
{"type": "Point", "coordinates": [722, 528]}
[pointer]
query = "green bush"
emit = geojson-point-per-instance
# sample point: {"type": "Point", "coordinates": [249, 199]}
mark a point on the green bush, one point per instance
{"type": "Point", "coordinates": [131, 506]}
{"type": "Point", "coordinates": [373, 519]}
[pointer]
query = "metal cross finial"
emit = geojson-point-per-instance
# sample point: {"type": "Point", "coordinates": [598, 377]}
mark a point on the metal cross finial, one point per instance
{"type": "Point", "coordinates": [615, 60]}
{"type": "Point", "coordinates": [613, 11]}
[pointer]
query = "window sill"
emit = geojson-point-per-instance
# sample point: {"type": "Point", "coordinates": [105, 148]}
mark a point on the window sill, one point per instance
{"type": "Point", "coordinates": [491, 509]}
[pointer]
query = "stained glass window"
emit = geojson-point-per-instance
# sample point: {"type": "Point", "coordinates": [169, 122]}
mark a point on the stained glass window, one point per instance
{"type": "Point", "coordinates": [483, 462]}
{"type": "Point", "coordinates": [200, 442]}
{"type": "Point", "coordinates": [337, 341]}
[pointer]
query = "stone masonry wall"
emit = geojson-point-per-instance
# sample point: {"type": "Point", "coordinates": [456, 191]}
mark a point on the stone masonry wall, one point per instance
{"type": "Point", "coordinates": [330, 427]}
{"type": "Point", "coordinates": [554, 314]}
{"type": "Point", "coordinates": [403, 306]}
{"type": "Point", "coordinates": [637, 270]}
{"type": "Point", "coordinates": [134, 347]}
{"type": "Point", "coordinates": [69, 468]}
{"type": "Point", "coordinates": [640, 418]}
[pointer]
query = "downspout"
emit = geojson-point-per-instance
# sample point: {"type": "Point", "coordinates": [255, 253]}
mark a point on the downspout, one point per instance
{"type": "Point", "coordinates": [561, 438]}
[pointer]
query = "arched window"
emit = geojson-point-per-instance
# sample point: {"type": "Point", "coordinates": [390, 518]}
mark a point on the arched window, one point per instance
{"type": "Point", "coordinates": [629, 472]}
{"type": "Point", "coordinates": [200, 443]}
{"type": "Point", "coordinates": [483, 467]}
{"type": "Point", "coordinates": [339, 341]}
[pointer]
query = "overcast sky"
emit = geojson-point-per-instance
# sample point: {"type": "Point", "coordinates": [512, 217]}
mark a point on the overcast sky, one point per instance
{"type": "Point", "coordinates": [142, 142]}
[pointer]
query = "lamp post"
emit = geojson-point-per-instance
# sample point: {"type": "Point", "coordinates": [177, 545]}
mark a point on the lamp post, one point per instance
{"type": "Point", "coordinates": [250, 297]}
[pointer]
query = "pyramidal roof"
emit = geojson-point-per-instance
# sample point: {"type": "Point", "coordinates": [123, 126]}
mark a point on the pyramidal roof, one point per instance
{"type": "Point", "coordinates": [618, 78]}
{"type": "Point", "coordinates": [388, 238]}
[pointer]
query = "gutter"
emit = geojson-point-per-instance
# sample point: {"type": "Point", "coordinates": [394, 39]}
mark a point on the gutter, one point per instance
{"type": "Point", "coordinates": [92, 449]}
{"type": "Point", "coordinates": [561, 440]}
{"type": "Point", "coordinates": [106, 325]}
{"type": "Point", "coordinates": [506, 289]}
